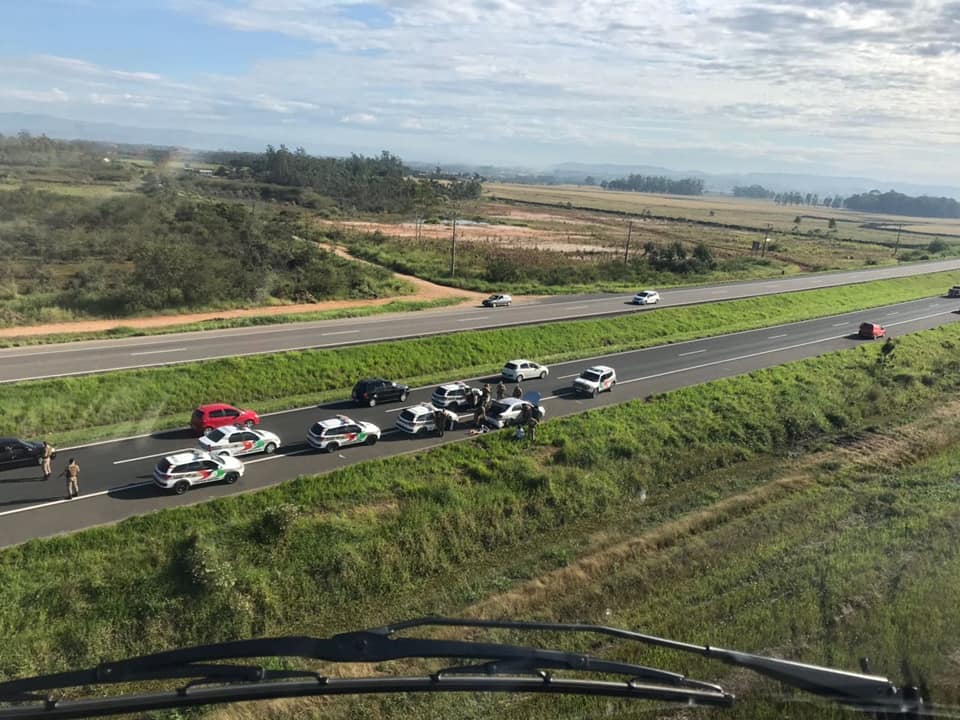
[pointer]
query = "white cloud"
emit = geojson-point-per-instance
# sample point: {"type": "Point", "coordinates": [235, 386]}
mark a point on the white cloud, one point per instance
{"type": "Point", "coordinates": [360, 118]}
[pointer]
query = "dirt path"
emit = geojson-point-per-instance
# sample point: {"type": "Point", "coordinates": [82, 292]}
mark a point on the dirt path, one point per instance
{"type": "Point", "coordinates": [425, 290]}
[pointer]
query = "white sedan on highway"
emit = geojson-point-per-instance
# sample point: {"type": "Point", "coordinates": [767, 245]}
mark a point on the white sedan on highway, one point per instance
{"type": "Point", "coordinates": [233, 440]}
{"type": "Point", "coordinates": [520, 370]}
{"type": "Point", "coordinates": [646, 297]}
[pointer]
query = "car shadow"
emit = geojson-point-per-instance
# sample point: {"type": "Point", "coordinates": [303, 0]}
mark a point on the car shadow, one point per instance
{"type": "Point", "coordinates": [21, 479]}
{"type": "Point", "coordinates": [137, 492]}
{"type": "Point", "coordinates": [176, 434]}
{"type": "Point", "coordinates": [342, 405]}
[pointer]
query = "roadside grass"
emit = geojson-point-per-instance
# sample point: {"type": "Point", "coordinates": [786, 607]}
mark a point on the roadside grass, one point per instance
{"type": "Point", "coordinates": [730, 550]}
{"type": "Point", "coordinates": [125, 331]}
{"type": "Point", "coordinates": [84, 408]}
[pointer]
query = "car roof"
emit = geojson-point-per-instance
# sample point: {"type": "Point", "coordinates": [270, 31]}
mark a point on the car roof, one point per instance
{"type": "Point", "coordinates": [371, 379]}
{"type": "Point", "coordinates": [599, 369]}
{"type": "Point", "coordinates": [335, 422]}
{"type": "Point", "coordinates": [521, 360]}
{"type": "Point", "coordinates": [215, 406]}
{"type": "Point", "coordinates": [185, 456]}
{"type": "Point", "coordinates": [452, 385]}
{"type": "Point", "coordinates": [13, 439]}
{"type": "Point", "coordinates": [646, 292]}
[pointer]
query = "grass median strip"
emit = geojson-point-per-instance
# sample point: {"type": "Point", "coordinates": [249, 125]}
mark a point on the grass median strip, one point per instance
{"type": "Point", "coordinates": [75, 409]}
{"type": "Point", "coordinates": [735, 553]}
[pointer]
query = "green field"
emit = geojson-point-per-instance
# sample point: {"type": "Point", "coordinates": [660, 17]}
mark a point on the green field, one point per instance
{"type": "Point", "coordinates": [807, 511]}
{"type": "Point", "coordinates": [74, 409]}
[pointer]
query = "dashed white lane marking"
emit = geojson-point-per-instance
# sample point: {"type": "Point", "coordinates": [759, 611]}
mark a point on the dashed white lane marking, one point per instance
{"type": "Point", "coordinates": [157, 352]}
{"type": "Point", "coordinates": [692, 352]}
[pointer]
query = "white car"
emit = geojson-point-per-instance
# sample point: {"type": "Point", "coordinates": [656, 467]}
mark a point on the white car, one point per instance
{"type": "Point", "coordinates": [233, 440]}
{"type": "Point", "coordinates": [520, 370]}
{"type": "Point", "coordinates": [509, 411]}
{"type": "Point", "coordinates": [341, 431]}
{"type": "Point", "coordinates": [181, 471]}
{"type": "Point", "coordinates": [595, 380]}
{"type": "Point", "coordinates": [455, 395]}
{"type": "Point", "coordinates": [419, 419]}
{"type": "Point", "coordinates": [646, 297]}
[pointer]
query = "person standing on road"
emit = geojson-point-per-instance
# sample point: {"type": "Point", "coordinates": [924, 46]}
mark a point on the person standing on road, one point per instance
{"type": "Point", "coordinates": [439, 421]}
{"type": "Point", "coordinates": [478, 416]}
{"type": "Point", "coordinates": [72, 474]}
{"type": "Point", "coordinates": [47, 460]}
{"type": "Point", "coordinates": [517, 391]}
{"type": "Point", "coordinates": [501, 390]}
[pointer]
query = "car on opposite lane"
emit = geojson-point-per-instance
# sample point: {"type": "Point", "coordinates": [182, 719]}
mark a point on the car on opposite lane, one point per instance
{"type": "Point", "coordinates": [595, 380]}
{"type": "Point", "coordinates": [233, 440]}
{"type": "Point", "coordinates": [181, 471]}
{"type": "Point", "coordinates": [498, 300]}
{"type": "Point", "coordinates": [954, 292]}
{"type": "Point", "coordinates": [337, 432]}
{"type": "Point", "coordinates": [17, 453]}
{"type": "Point", "coordinates": [371, 391]}
{"type": "Point", "coordinates": [207, 418]}
{"type": "Point", "coordinates": [871, 331]}
{"type": "Point", "coordinates": [520, 370]}
{"type": "Point", "coordinates": [646, 297]}
{"type": "Point", "coordinates": [509, 411]}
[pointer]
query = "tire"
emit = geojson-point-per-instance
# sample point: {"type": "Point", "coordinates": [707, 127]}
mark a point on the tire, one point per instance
{"type": "Point", "coordinates": [596, 391]}
{"type": "Point", "coordinates": [371, 440]}
{"type": "Point", "coordinates": [249, 424]}
{"type": "Point", "coordinates": [372, 402]}
{"type": "Point", "coordinates": [543, 374]}
{"type": "Point", "coordinates": [181, 487]}
{"type": "Point", "coordinates": [519, 379]}
{"type": "Point", "coordinates": [403, 396]}
{"type": "Point", "coordinates": [270, 449]}
{"type": "Point", "coordinates": [612, 385]}
{"type": "Point", "coordinates": [333, 447]}
{"type": "Point", "coordinates": [231, 478]}
{"type": "Point", "coordinates": [207, 431]}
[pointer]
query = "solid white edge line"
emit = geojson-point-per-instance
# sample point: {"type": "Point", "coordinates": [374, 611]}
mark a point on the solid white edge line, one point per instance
{"type": "Point", "coordinates": [692, 352]}
{"type": "Point", "coordinates": [157, 352]}
{"type": "Point", "coordinates": [79, 497]}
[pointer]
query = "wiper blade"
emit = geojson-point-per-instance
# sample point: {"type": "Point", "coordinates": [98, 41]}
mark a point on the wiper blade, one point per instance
{"type": "Point", "coordinates": [501, 668]}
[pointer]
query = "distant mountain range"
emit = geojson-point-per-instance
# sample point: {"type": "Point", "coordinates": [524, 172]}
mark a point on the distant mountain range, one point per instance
{"type": "Point", "coordinates": [572, 172]}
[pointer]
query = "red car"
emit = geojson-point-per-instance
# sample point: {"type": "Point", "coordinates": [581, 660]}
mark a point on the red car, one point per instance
{"type": "Point", "coordinates": [208, 417]}
{"type": "Point", "coordinates": [871, 331]}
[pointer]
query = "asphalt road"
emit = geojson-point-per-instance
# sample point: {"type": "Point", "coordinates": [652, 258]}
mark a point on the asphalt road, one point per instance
{"type": "Point", "coordinates": [79, 358]}
{"type": "Point", "coordinates": [116, 475]}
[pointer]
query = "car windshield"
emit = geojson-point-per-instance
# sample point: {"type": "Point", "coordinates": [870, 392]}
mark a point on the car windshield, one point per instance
{"type": "Point", "coordinates": [209, 202]}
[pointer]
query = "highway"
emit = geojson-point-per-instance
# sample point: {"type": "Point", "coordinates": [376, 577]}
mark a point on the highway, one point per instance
{"type": "Point", "coordinates": [78, 358]}
{"type": "Point", "coordinates": [115, 479]}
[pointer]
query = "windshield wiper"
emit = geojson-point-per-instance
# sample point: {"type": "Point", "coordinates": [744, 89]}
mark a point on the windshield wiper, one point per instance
{"type": "Point", "coordinates": [501, 668]}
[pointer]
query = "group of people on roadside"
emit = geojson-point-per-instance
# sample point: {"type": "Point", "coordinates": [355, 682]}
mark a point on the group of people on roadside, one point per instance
{"type": "Point", "coordinates": [71, 472]}
{"type": "Point", "coordinates": [444, 420]}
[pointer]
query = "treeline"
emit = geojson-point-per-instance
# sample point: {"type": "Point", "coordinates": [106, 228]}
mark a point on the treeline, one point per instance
{"type": "Point", "coordinates": [369, 184]}
{"type": "Point", "coordinates": [656, 184]}
{"type": "Point", "coordinates": [753, 191]}
{"type": "Point", "coordinates": [894, 203]}
{"type": "Point", "coordinates": [24, 149]}
{"type": "Point", "coordinates": [159, 251]}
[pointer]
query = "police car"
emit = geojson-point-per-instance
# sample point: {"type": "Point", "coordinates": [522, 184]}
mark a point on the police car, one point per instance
{"type": "Point", "coordinates": [509, 411]}
{"type": "Point", "coordinates": [341, 431]}
{"type": "Point", "coordinates": [419, 418]}
{"type": "Point", "coordinates": [183, 470]}
{"type": "Point", "coordinates": [595, 380]}
{"type": "Point", "coordinates": [455, 395]}
{"type": "Point", "coordinates": [233, 440]}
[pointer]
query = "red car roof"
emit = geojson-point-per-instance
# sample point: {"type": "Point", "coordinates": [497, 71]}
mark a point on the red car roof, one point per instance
{"type": "Point", "coordinates": [214, 406]}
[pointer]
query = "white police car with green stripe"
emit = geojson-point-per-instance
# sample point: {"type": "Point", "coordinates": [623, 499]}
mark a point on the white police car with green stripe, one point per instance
{"type": "Point", "coordinates": [181, 471]}
{"type": "Point", "coordinates": [341, 431]}
{"type": "Point", "coordinates": [233, 440]}
{"type": "Point", "coordinates": [595, 380]}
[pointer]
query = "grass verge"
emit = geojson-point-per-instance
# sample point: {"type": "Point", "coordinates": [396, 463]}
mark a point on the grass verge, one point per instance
{"type": "Point", "coordinates": [125, 331]}
{"type": "Point", "coordinates": [733, 549]}
{"type": "Point", "coordinates": [75, 409]}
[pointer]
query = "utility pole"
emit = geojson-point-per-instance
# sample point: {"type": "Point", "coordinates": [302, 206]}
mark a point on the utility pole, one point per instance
{"type": "Point", "coordinates": [766, 240]}
{"type": "Point", "coordinates": [453, 245]}
{"type": "Point", "coordinates": [897, 248]}
{"type": "Point", "coordinates": [626, 250]}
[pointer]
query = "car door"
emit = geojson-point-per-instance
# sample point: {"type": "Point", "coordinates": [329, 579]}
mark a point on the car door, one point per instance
{"type": "Point", "coordinates": [231, 414]}
{"type": "Point", "coordinates": [6, 457]}
{"type": "Point", "coordinates": [208, 471]}
{"type": "Point", "coordinates": [189, 471]}
{"type": "Point", "coordinates": [236, 444]}
{"type": "Point", "coordinates": [20, 455]}
{"type": "Point", "coordinates": [351, 434]}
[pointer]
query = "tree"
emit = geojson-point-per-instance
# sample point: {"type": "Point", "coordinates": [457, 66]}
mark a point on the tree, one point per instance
{"type": "Point", "coordinates": [832, 224]}
{"type": "Point", "coordinates": [589, 180]}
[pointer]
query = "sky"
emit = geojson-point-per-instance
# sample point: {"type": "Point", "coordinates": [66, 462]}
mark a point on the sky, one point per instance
{"type": "Point", "coordinates": [818, 86]}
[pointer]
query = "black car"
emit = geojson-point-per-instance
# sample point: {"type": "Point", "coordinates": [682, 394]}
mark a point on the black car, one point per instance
{"type": "Point", "coordinates": [375, 390]}
{"type": "Point", "coordinates": [16, 453]}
